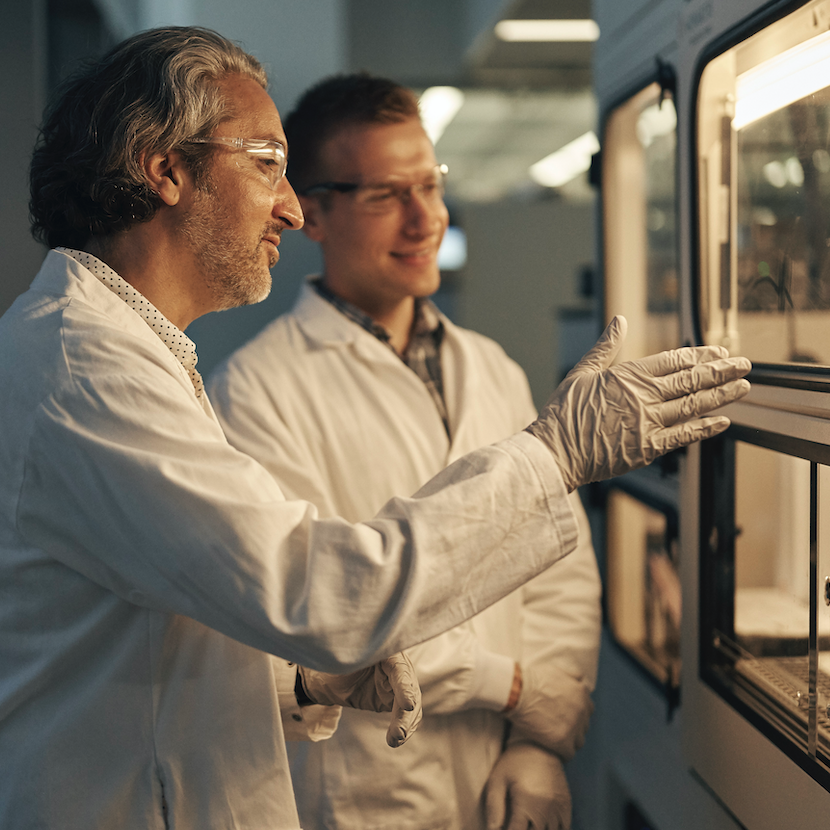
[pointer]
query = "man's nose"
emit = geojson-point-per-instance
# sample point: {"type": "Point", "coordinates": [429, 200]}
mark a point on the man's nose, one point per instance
{"type": "Point", "coordinates": [423, 214]}
{"type": "Point", "coordinates": [287, 205]}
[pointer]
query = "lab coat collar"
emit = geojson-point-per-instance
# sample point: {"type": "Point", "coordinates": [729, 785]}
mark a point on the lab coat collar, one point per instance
{"type": "Point", "coordinates": [62, 276]}
{"type": "Point", "coordinates": [321, 322]}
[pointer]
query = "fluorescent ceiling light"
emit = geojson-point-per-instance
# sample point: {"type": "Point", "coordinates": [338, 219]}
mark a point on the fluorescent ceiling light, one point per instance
{"type": "Point", "coordinates": [566, 163]}
{"type": "Point", "coordinates": [553, 31]}
{"type": "Point", "coordinates": [782, 80]}
{"type": "Point", "coordinates": [439, 105]}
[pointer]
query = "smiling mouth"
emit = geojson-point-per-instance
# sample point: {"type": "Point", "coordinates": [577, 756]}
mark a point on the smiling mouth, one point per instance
{"type": "Point", "coordinates": [423, 253]}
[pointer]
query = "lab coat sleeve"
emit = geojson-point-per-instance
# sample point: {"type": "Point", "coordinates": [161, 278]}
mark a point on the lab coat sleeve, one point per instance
{"type": "Point", "coordinates": [455, 671]}
{"type": "Point", "coordinates": [561, 610]}
{"type": "Point", "coordinates": [128, 482]}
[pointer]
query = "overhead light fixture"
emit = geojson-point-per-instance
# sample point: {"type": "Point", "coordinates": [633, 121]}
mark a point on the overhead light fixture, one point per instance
{"type": "Point", "coordinates": [438, 106]}
{"type": "Point", "coordinates": [782, 80]}
{"type": "Point", "coordinates": [553, 31]}
{"type": "Point", "coordinates": [566, 163]}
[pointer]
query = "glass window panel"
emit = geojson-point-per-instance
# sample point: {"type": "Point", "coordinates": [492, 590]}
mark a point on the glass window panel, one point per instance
{"type": "Point", "coordinates": [639, 164]}
{"type": "Point", "coordinates": [823, 613]}
{"type": "Point", "coordinates": [640, 220]}
{"type": "Point", "coordinates": [764, 193]}
{"type": "Point", "coordinates": [769, 543]}
{"type": "Point", "coordinates": [643, 587]}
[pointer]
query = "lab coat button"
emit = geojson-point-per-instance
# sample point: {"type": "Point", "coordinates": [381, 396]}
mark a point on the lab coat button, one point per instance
{"type": "Point", "coordinates": [297, 718]}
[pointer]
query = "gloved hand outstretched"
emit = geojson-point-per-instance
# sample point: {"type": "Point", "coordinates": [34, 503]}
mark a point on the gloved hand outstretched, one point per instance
{"type": "Point", "coordinates": [603, 421]}
{"type": "Point", "coordinates": [527, 789]}
{"type": "Point", "coordinates": [553, 710]}
{"type": "Point", "coordinates": [389, 686]}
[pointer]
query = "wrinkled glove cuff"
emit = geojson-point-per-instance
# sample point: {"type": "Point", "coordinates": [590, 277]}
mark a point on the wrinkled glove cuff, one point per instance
{"type": "Point", "coordinates": [299, 690]}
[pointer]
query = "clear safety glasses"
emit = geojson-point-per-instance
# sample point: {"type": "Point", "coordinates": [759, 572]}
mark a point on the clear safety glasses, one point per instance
{"type": "Point", "coordinates": [271, 154]}
{"type": "Point", "coordinates": [384, 197]}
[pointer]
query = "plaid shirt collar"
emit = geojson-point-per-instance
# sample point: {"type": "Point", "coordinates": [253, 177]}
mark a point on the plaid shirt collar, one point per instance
{"type": "Point", "coordinates": [426, 327]}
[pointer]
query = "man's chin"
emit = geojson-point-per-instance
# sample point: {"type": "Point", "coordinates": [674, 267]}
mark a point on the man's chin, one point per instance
{"type": "Point", "coordinates": [259, 293]}
{"type": "Point", "coordinates": [247, 295]}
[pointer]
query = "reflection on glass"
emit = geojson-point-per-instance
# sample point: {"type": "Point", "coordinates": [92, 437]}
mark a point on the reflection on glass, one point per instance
{"type": "Point", "coordinates": [640, 220]}
{"type": "Point", "coordinates": [764, 185]}
{"type": "Point", "coordinates": [644, 596]}
{"type": "Point", "coordinates": [763, 644]}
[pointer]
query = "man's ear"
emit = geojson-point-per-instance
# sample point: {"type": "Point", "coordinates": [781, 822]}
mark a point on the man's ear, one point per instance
{"type": "Point", "coordinates": [167, 175]}
{"type": "Point", "coordinates": [313, 215]}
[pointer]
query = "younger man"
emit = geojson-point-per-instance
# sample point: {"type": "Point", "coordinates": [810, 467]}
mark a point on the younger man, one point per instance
{"type": "Point", "coordinates": [421, 392]}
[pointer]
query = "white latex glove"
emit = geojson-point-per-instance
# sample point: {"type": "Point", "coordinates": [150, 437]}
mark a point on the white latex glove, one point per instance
{"type": "Point", "coordinates": [389, 686]}
{"type": "Point", "coordinates": [527, 789]}
{"type": "Point", "coordinates": [553, 710]}
{"type": "Point", "coordinates": [601, 422]}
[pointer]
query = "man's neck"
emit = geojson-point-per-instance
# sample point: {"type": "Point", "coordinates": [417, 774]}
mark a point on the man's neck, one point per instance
{"type": "Point", "coordinates": [396, 317]}
{"type": "Point", "coordinates": [398, 322]}
{"type": "Point", "coordinates": [141, 257]}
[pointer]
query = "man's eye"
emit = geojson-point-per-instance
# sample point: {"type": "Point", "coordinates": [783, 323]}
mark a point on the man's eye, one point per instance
{"type": "Point", "coordinates": [380, 194]}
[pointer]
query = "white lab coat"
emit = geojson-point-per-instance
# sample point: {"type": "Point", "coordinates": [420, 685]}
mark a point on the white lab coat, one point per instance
{"type": "Point", "coordinates": [146, 567]}
{"type": "Point", "coordinates": [281, 399]}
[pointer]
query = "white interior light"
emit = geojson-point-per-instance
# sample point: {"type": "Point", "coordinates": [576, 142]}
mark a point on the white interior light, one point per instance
{"type": "Point", "coordinates": [775, 173]}
{"type": "Point", "coordinates": [795, 172]}
{"type": "Point", "coordinates": [778, 82]}
{"type": "Point", "coordinates": [655, 121]}
{"type": "Point", "coordinates": [439, 105]}
{"type": "Point", "coordinates": [553, 31]}
{"type": "Point", "coordinates": [566, 163]}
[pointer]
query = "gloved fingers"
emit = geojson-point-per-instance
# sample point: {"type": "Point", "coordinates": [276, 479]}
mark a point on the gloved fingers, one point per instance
{"type": "Point", "coordinates": [404, 722]}
{"type": "Point", "coordinates": [406, 709]}
{"type": "Point", "coordinates": [676, 360]}
{"type": "Point", "coordinates": [402, 681]}
{"type": "Point", "coordinates": [708, 375]}
{"type": "Point", "coordinates": [561, 804]}
{"type": "Point", "coordinates": [681, 435]}
{"type": "Point", "coordinates": [602, 355]}
{"type": "Point", "coordinates": [520, 820]}
{"type": "Point", "coordinates": [699, 403]}
{"type": "Point", "coordinates": [526, 811]}
{"type": "Point", "coordinates": [495, 802]}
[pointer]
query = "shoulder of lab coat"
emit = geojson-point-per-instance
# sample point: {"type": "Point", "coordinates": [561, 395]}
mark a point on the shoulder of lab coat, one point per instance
{"type": "Point", "coordinates": [118, 436]}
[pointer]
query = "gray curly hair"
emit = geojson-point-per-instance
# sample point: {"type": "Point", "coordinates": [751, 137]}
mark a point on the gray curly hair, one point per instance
{"type": "Point", "coordinates": [150, 94]}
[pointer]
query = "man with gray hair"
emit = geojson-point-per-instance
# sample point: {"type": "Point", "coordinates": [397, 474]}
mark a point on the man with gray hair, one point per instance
{"type": "Point", "coordinates": [158, 589]}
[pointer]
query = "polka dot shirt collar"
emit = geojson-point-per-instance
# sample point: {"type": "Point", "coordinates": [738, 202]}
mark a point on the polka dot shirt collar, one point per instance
{"type": "Point", "coordinates": [182, 347]}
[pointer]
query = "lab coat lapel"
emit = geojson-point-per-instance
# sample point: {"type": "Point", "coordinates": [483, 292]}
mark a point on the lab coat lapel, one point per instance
{"type": "Point", "coordinates": [461, 381]}
{"type": "Point", "coordinates": [325, 325]}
